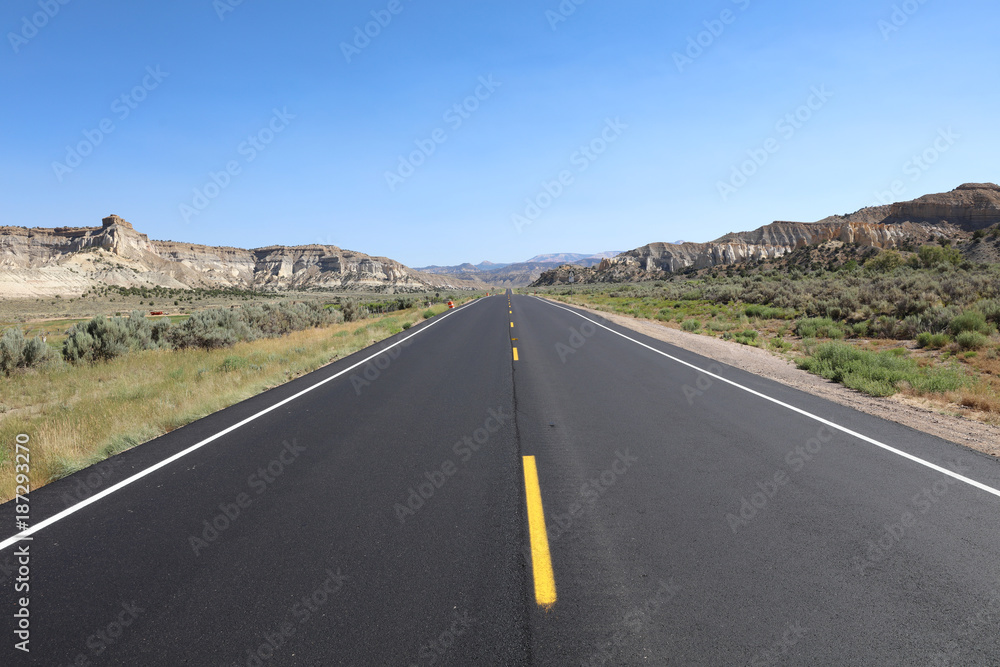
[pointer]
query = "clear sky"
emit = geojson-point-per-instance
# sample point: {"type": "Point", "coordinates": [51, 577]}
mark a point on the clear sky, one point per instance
{"type": "Point", "coordinates": [130, 108]}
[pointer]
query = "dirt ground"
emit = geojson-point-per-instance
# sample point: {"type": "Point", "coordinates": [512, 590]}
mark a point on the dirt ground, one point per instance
{"type": "Point", "coordinates": [916, 413]}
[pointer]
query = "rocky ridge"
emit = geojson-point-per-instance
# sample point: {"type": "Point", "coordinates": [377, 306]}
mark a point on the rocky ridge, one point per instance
{"type": "Point", "coordinates": [954, 215]}
{"type": "Point", "coordinates": [63, 261]}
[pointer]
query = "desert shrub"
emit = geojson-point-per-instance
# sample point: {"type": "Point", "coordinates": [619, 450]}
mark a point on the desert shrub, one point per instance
{"type": "Point", "coordinates": [690, 325]}
{"type": "Point", "coordinates": [884, 327]}
{"type": "Point", "coordinates": [18, 352]}
{"type": "Point", "coordinates": [407, 325]}
{"type": "Point", "coordinates": [934, 341]}
{"type": "Point", "coordinates": [747, 337]}
{"type": "Point", "coordinates": [103, 339]}
{"type": "Point", "coordinates": [933, 255]}
{"type": "Point", "coordinates": [768, 312]}
{"type": "Point", "coordinates": [970, 320]}
{"type": "Point", "coordinates": [353, 311]}
{"type": "Point", "coordinates": [877, 373]}
{"type": "Point", "coordinates": [861, 328]}
{"type": "Point", "coordinates": [211, 329]}
{"type": "Point", "coordinates": [885, 262]}
{"type": "Point", "coordinates": [990, 308]}
{"type": "Point", "coordinates": [428, 314]}
{"type": "Point", "coordinates": [971, 340]}
{"type": "Point", "coordinates": [272, 320]}
{"type": "Point", "coordinates": [818, 327]}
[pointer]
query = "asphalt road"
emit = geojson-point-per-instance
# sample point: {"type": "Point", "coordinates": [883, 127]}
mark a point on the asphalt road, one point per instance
{"type": "Point", "coordinates": [388, 512]}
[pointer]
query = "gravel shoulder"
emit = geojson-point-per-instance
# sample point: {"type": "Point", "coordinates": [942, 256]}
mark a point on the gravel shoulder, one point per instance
{"type": "Point", "coordinates": [916, 413]}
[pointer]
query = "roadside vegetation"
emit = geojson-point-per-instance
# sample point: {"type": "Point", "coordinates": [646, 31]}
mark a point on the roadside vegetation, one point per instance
{"type": "Point", "coordinates": [113, 383]}
{"type": "Point", "coordinates": [922, 323]}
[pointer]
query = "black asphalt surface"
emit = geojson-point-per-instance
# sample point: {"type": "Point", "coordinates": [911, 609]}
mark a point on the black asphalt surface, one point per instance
{"type": "Point", "coordinates": [380, 519]}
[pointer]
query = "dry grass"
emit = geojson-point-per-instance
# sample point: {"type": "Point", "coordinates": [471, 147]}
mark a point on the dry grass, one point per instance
{"type": "Point", "coordinates": [79, 415]}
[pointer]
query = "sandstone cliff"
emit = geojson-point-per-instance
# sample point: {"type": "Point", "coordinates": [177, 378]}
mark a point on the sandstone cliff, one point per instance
{"type": "Point", "coordinates": [45, 262]}
{"type": "Point", "coordinates": [953, 214]}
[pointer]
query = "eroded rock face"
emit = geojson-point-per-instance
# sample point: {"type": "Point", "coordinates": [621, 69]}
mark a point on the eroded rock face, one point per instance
{"type": "Point", "coordinates": [967, 208]}
{"type": "Point", "coordinates": [41, 262]}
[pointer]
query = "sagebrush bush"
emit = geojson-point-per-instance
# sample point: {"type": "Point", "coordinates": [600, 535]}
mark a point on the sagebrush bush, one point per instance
{"type": "Point", "coordinates": [818, 327]}
{"type": "Point", "coordinates": [211, 329]}
{"type": "Point", "coordinates": [690, 325]}
{"type": "Point", "coordinates": [970, 320]}
{"type": "Point", "coordinates": [878, 373]}
{"type": "Point", "coordinates": [353, 311]}
{"type": "Point", "coordinates": [103, 339]}
{"type": "Point", "coordinates": [16, 351]}
{"type": "Point", "coordinates": [971, 340]}
{"type": "Point", "coordinates": [933, 341]}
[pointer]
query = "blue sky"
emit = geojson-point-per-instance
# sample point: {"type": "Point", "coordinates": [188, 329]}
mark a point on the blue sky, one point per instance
{"type": "Point", "coordinates": [667, 138]}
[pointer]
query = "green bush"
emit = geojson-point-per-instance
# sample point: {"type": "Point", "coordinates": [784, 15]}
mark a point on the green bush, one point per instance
{"type": "Point", "coordinates": [818, 327]}
{"type": "Point", "coordinates": [18, 352]}
{"type": "Point", "coordinates": [690, 325]}
{"type": "Point", "coordinates": [971, 340]}
{"type": "Point", "coordinates": [877, 373]}
{"type": "Point", "coordinates": [428, 314]}
{"type": "Point", "coordinates": [103, 339]}
{"type": "Point", "coordinates": [211, 329]}
{"type": "Point", "coordinates": [933, 341]}
{"type": "Point", "coordinates": [885, 262]}
{"type": "Point", "coordinates": [353, 311]}
{"type": "Point", "coordinates": [768, 312]}
{"type": "Point", "coordinates": [970, 320]}
{"type": "Point", "coordinates": [933, 255]}
{"type": "Point", "coordinates": [407, 325]}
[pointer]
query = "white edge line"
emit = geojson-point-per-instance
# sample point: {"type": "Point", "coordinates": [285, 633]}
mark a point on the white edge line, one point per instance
{"type": "Point", "coordinates": [844, 429]}
{"type": "Point", "coordinates": [11, 541]}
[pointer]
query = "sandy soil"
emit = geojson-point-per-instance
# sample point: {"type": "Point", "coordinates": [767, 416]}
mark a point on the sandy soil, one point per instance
{"type": "Point", "coordinates": [919, 414]}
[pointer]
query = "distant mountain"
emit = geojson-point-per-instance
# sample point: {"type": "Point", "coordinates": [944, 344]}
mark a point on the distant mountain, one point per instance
{"type": "Point", "coordinates": [518, 274]}
{"type": "Point", "coordinates": [65, 261]}
{"type": "Point", "coordinates": [954, 216]}
{"type": "Point", "coordinates": [572, 258]}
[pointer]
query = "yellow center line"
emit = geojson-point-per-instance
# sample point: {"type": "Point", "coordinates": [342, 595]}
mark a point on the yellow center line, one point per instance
{"type": "Point", "coordinates": [541, 559]}
{"type": "Point", "coordinates": [511, 325]}
{"type": "Point", "coordinates": [515, 354]}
